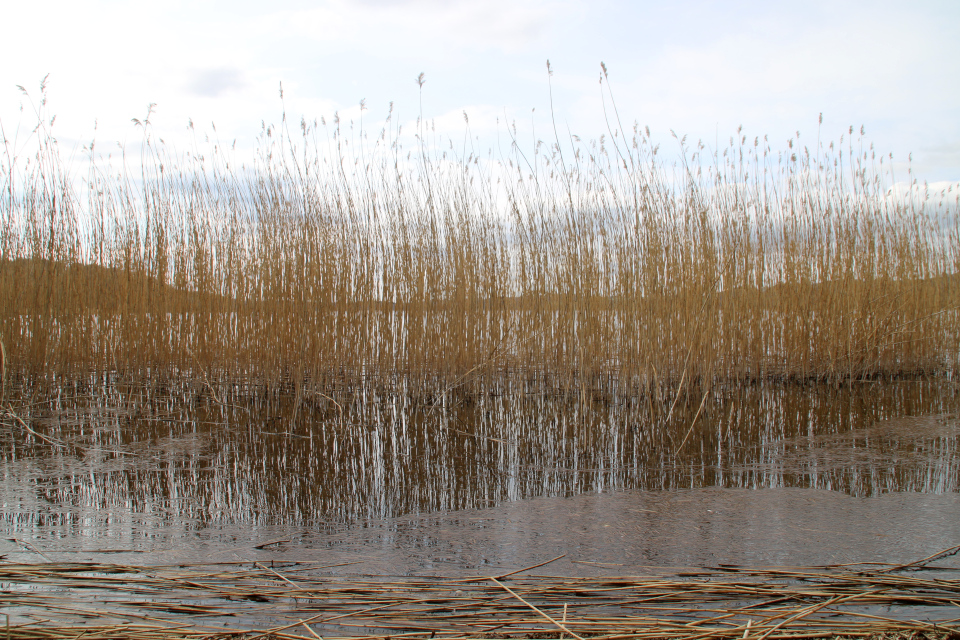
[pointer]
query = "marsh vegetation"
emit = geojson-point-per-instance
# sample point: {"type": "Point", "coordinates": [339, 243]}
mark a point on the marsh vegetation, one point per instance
{"type": "Point", "coordinates": [339, 259]}
{"type": "Point", "coordinates": [196, 352]}
{"type": "Point", "coordinates": [366, 331]}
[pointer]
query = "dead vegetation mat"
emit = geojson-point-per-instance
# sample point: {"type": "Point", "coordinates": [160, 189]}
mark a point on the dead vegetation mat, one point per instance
{"type": "Point", "coordinates": [263, 601]}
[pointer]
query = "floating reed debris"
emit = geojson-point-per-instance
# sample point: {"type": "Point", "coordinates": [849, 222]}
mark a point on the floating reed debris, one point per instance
{"type": "Point", "coordinates": [339, 259]}
{"type": "Point", "coordinates": [293, 600]}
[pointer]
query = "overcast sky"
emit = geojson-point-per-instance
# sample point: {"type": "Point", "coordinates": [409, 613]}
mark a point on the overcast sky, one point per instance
{"type": "Point", "coordinates": [699, 68]}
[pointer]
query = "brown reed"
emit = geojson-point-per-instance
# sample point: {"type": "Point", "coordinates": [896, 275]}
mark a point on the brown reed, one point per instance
{"type": "Point", "coordinates": [293, 600]}
{"type": "Point", "coordinates": [333, 262]}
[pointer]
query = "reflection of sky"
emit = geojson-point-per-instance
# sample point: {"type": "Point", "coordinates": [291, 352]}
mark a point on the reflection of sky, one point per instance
{"type": "Point", "coordinates": [698, 68]}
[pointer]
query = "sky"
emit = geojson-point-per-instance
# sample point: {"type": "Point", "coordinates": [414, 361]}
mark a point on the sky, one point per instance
{"type": "Point", "coordinates": [699, 68]}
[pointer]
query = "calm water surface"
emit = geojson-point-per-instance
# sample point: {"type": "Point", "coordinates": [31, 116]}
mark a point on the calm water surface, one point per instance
{"type": "Point", "coordinates": [405, 484]}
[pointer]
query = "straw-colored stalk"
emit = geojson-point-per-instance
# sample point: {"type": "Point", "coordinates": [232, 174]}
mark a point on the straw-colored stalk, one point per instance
{"type": "Point", "coordinates": [611, 269]}
{"type": "Point", "coordinates": [290, 600]}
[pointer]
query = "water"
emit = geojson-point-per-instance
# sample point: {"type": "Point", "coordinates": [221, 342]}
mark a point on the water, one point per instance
{"type": "Point", "coordinates": [455, 483]}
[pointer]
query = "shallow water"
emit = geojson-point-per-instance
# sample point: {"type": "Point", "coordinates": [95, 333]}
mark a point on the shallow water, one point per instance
{"type": "Point", "coordinates": [792, 475]}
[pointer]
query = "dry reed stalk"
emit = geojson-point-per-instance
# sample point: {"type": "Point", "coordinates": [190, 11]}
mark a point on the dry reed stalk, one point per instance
{"type": "Point", "coordinates": [760, 603]}
{"type": "Point", "coordinates": [9, 413]}
{"type": "Point", "coordinates": [604, 268]}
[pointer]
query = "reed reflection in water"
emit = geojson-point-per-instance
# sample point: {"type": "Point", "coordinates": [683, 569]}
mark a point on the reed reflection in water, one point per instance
{"type": "Point", "coordinates": [139, 463]}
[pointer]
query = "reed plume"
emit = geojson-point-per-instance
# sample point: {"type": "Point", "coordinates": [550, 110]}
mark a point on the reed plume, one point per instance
{"type": "Point", "coordinates": [335, 261]}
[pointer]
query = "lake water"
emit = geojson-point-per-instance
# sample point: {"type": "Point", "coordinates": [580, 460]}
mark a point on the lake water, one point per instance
{"type": "Point", "coordinates": [413, 484]}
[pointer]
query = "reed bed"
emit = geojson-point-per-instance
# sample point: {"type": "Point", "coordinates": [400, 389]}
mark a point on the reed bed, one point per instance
{"type": "Point", "coordinates": [338, 258]}
{"type": "Point", "coordinates": [292, 600]}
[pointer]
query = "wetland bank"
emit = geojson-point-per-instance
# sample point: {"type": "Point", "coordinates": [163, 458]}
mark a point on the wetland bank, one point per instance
{"type": "Point", "coordinates": [427, 363]}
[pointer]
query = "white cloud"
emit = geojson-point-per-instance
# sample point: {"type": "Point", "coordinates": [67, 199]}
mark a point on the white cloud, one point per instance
{"type": "Point", "coordinates": [698, 68]}
{"type": "Point", "coordinates": [480, 120]}
{"type": "Point", "coordinates": [405, 27]}
{"type": "Point", "coordinates": [762, 76]}
{"type": "Point", "coordinates": [212, 83]}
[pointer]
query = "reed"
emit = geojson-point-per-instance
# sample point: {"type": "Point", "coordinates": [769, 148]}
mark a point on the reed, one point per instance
{"type": "Point", "coordinates": [300, 600]}
{"type": "Point", "coordinates": [335, 260]}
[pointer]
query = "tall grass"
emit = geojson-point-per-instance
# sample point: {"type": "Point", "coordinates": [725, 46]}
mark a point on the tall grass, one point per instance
{"type": "Point", "coordinates": [336, 258]}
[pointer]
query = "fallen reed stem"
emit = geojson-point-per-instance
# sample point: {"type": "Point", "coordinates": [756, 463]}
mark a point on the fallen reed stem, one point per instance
{"type": "Point", "coordinates": [561, 625]}
{"type": "Point", "coordinates": [762, 604]}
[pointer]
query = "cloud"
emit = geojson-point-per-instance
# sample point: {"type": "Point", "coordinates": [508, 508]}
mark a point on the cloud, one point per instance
{"type": "Point", "coordinates": [935, 162]}
{"type": "Point", "coordinates": [700, 68]}
{"type": "Point", "coordinates": [946, 153]}
{"type": "Point", "coordinates": [932, 193]}
{"type": "Point", "coordinates": [211, 83]}
{"type": "Point", "coordinates": [477, 119]}
{"type": "Point", "coordinates": [405, 27]}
